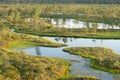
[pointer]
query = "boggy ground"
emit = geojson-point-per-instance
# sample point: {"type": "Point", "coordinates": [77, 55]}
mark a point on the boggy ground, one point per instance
{"type": "Point", "coordinates": [17, 66]}
{"type": "Point", "coordinates": [80, 78]}
{"type": "Point", "coordinates": [101, 58]}
{"type": "Point", "coordinates": [75, 32]}
{"type": "Point", "coordinates": [8, 39]}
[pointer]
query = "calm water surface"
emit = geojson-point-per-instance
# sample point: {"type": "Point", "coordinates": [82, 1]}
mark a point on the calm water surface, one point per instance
{"type": "Point", "coordinates": [80, 66]}
{"type": "Point", "coordinates": [72, 23]}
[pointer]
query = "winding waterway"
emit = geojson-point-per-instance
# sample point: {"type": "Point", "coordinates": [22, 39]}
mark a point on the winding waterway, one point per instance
{"type": "Point", "coordinates": [79, 65]}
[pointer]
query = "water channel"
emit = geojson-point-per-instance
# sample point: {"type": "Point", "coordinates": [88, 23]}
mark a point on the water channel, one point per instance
{"type": "Point", "coordinates": [79, 65]}
{"type": "Point", "coordinates": [72, 23]}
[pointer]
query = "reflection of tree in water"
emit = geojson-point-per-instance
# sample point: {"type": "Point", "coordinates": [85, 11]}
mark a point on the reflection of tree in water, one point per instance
{"type": "Point", "coordinates": [119, 26]}
{"type": "Point", "coordinates": [71, 39]}
{"type": "Point", "coordinates": [115, 26]}
{"type": "Point", "coordinates": [49, 20]}
{"type": "Point", "coordinates": [57, 22]}
{"type": "Point", "coordinates": [63, 22]}
{"type": "Point", "coordinates": [101, 42]}
{"type": "Point", "coordinates": [104, 26]}
{"type": "Point", "coordinates": [116, 76]}
{"type": "Point", "coordinates": [75, 22]}
{"type": "Point", "coordinates": [57, 39]}
{"type": "Point", "coordinates": [87, 26]}
{"type": "Point", "coordinates": [108, 27]}
{"type": "Point", "coordinates": [65, 40]}
{"type": "Point", "coordinates": [94, 40]}
{"type": "Point", "coordinates": [38, 52]}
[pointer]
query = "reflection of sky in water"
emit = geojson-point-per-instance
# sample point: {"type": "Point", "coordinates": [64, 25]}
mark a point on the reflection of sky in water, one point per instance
{"type": "Point", "coordinates": [72, 23]}
{"type": "Point", "coordinates": [108, 43]}
{"type": "Point", "coordinates": [79, 65]}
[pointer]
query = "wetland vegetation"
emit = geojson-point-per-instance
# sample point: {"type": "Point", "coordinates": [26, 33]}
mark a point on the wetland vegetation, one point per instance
{"type": "Point", "coordinates": [83, 33]}
{"type": "Point", "coordinates": [101, 58]}
{"type": "Point", "coordinates": [28, 19]}
{"type": "Point", "coordinates": [17, 66]}
{"type": "Point", "coordinates": [24, 25]}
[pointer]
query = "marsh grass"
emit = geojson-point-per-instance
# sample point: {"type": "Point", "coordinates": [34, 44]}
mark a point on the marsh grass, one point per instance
{"type": "Point", "coordinates": [11, 39]}
{"type": "Point", "coordinates": [20, 66]}
{"type": "Point", "coordinates": [101, 58]}
{"type": "Point", "coordinates": [75, 32]}
{"type": "Point", "coordinates": [79, 78]}
{"type": "Point", "coordinates": [26, 67]}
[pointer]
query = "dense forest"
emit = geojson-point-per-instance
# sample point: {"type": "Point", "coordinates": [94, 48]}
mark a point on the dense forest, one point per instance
{"type": "Point", "coordinates": [60, 1]}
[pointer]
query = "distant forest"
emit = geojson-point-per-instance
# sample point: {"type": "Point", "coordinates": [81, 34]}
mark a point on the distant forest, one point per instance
{"type": "Point", "coordinates": [59, 1]}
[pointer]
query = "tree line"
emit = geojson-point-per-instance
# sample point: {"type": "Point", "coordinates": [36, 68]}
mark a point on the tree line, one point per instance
{"type": "Point", "coordinates": [19, 13]}
{"type": "Point", "coordinates": [59, 1]}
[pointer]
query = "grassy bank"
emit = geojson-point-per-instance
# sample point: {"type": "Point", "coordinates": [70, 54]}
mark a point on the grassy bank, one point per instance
{"type": "Point", "coordinates": [22, 40]}
{"type": "Point", "coordinates": [20, 66]}
{"type": "Point", "coordinates": [66, 32]}
{"type": "Point", "coordinates": [101, 58]}
{"type": "Point", "coordinates": [80, 78]}
{"type": "Point", "coordinates": [34, 41]}
{"type": "Point", "coordinates": [17, 66]}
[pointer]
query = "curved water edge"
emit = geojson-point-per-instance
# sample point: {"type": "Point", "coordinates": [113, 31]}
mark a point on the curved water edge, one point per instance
{"type": "Point", "coordinates": [73, 23]}
{"type": "Point", "coordinates": [79, 65]}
